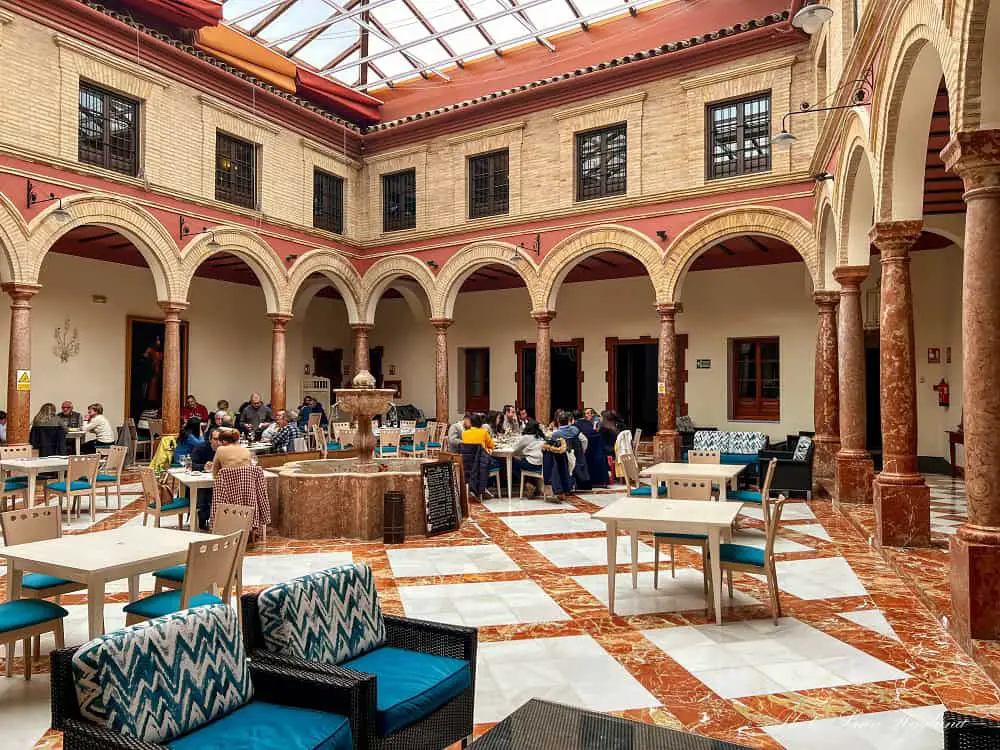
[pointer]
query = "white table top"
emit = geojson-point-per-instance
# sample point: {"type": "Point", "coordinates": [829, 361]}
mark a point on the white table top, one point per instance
{"type": "Point", "coordinates": [700, 471]}
{"type": "Point", "coordinates": [39, 464]}
{"type": "Point", "coordinates": [700, 512]}
{"type": "Point", "coordinates": [202, 478]}
{"type": "Point", "coordinates": [103, 550]}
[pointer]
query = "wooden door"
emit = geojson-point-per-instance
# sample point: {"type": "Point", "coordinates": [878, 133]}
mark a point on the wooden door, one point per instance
{"type": "Point", "coordinates": [477, 379]}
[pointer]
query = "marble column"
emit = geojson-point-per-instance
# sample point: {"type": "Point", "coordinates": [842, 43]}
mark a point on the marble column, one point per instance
{"type": "Point", "coordinates": [171, 395]}
{"type": "Point", "coordinates": [19, 358]}
{"type": "Point", "coordinates": [902, 497]}
{"type": "Point", "coordinates": [543, 365]}
{"type": "Point", "coordinates": [975, 547]}
{"type": "Point", "coordinates": [441, 326]}
{"type": "Point", "coordinates": [360, 332]}
{"type": "Point", "coordinates": [854, 473]}
{"type": "Point", "coordinates": [826, 396]}
{"type": "Point", "coordinates": [667, 442]}
{"type": "Point", "coordinates": [278, 359]}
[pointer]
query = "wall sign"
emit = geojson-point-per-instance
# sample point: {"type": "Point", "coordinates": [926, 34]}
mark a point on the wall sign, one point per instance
{"type": "Point", "coordinates": [933, 356]}
{"type": "Point", "coordinates": [661, 389]}
{"type": "Point", "coordinates": [442, 498]}
{"type": "Point", "coordinates": [704, 364]}
{"type": "Point", "coordinates": [24, 380]}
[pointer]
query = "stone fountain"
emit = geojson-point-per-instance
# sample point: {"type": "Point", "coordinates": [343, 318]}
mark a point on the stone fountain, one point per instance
{"type": "Point", "coordinates": [343, 497]}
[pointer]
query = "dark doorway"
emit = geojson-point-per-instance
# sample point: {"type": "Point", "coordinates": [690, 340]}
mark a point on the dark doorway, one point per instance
{"type": "Point", "coordinates": [635, 385]}
{"type": "Point", "coordinates": [566, 376]}
{"type": "Point", "coordinates": [477, 379]}
{"type": "Point", "coordinates": [329, 363]}
{"type": "Point", "coordinates": [873, 398]}
{"type": "Point", "coordinates": [375, 362]}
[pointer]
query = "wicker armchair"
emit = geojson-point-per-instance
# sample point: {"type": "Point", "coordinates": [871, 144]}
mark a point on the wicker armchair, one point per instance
{"type": "Point", "coordinates": [963, 732]}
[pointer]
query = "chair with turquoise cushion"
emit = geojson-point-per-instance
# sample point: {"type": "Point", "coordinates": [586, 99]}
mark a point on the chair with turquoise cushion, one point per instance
{"type": "Point", "coordinates": [424, 672]}
{"type": "Point", "coordinates": [183, 682]}
{"type": "Point", "coordinates": [388, 442]}
{"type": "Point", "coordinates": [24, 619]}
{"type": "Point", "coordinates": [416, 448]}
{"type": "Point", "coordinates": [109, 476]}
{"type": "Point", "coordinates": [81, 480]}
{"type": "Point", "coordinates": [210, 568]}
{"type": "Point", "coordinates": [753, 496]}
{"type": "Point", "coordinates": [159, 501]}
{"type": "Point", "coordinates": [683, 489]}
{"type": "Point", "coordinates": [37, 525]}
{"type": "Point", "coordinates": [13, 485]}
{"type": "Point", "coordinates": [494, 476]}
{"type": "Point", "coordinates": [630, 468]}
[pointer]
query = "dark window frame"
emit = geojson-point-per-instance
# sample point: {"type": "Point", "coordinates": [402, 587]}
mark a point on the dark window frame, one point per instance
{"type": "Point", "coordinates": [407, 217]}
{"type": "Point", "coordinates": [111, 102]}
{"type": "Point", "coordinates": [496, 178]}
{"type": "Point", "coordinates": [712, 170]}
{"type": "Point", "coordinates": [229, 190]}
{"type": "Point", "coordinates": [605, 188]}
{"type": "Point", "coordinates": [760, 408]}
{"type": "Point", "coordinates": [328, 201]}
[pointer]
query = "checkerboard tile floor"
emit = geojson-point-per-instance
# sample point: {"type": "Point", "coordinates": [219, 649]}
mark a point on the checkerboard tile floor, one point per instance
{"type": "Point", "coordinates": [855, 661]}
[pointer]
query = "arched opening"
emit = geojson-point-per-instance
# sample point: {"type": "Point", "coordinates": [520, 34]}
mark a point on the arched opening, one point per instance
{"type": "Point", "coordinates": [860, 197]}
{"type": "Point", "coordinates": [989, 117]}
{"type": "Point", "coordinates": [401, 345]}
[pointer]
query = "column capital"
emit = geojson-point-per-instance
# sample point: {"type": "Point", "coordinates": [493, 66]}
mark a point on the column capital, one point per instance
{"type": "Point", "coordinates": [975, 156]}
{"type": "Point", "coordinates": [362, 327]}
{"type": "Point", "coordinates": [441, 324]}
{"type": "Point", "coordinates": [173, 309]}
{"type": "Point", "coordinates": [669, 310]}
{"type": "Point", "coordinates": [850, 277]}
{"type": "Point", "coordinates": [894, 239]}
{"type": "Point", "coordinates": [543, 317]}
{"type": "Point", "coordinates": [21, 292]}
{"type": "Point", "coordinates": [826, 299]}
{"type": "Point", "coordinates": [279, 320]}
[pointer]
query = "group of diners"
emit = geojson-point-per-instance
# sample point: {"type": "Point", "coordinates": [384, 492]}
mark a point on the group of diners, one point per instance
{"type": "Point", "coordinates": [50, 429]}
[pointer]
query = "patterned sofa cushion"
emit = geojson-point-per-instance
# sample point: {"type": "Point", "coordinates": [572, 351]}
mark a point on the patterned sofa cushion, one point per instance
{"type": "Point", "coordinates": [730, 442]}
{"type": "Point", "coordinates": [710, 440]}
{"type": "Point", "coordinates": [685, 423]}
{"type": "Point", "coordinates": [329, 616]}
{"type": "Point", "coordinates": [802, 448]}
{"type": "Point", "coordinates": [162, 678]}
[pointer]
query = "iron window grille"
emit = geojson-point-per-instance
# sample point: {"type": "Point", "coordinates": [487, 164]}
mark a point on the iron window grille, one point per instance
{"type": "Point", "coordinates": [328, 201]}
{"type": "Point", "coordinates": [601, 162]}
{"type": "Point", "coordinates": [739, 136]}
{"type": "Point", "coordinates": [109, 129]}
{"type": "Point", "coordinates": [235, 170]}
{"type": "Point", "coordinates": [399, 200]}
{"type": "Point", "coordinates": [489, 184]}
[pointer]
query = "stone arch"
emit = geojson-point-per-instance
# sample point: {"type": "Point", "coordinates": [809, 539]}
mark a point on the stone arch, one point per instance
{"type": "Point", "coordinates": [250, 248]}
{"type": "Point", "coordinates": [384, 272]}
{"type": "Point", "coordinates": [977, 96]}
{"type": "Point", "coordinates": [133, 222]}
{"type": "Point", "coordinates": [337, 269]}
{"type": "Point", "coordinates": [826, 237]}
{"type": "Point", "coordinates": [760, 220]}
{"type": "Point", "coordinates": [462, 264]}
{"type": "Point", "coordinates": [13, 243]}
{"type": "Point", "coordinates": [857, 205]}
{"type": "Point", "coordinates": [581, 245]}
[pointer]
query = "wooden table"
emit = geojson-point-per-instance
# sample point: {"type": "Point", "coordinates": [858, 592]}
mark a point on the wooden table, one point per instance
{"type": "Point", "coordinates": [99, 557]}
{"type": "Point", "coordinates": [634, 514]}
{"type": "Point", "coordinates": [955, 437]}
{"type": "Point", "coordinates": [722, 473]}
{"type": "Point", "coordinates": [196, 480]}
{"type": "Point", "coordinates": [31, 467]}
{"type": "Point", "coordinates": [506, 452]}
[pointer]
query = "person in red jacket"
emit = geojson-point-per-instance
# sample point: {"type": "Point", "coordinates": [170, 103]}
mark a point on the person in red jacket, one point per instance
{"type": "Point", "coordinates": [193, 409]}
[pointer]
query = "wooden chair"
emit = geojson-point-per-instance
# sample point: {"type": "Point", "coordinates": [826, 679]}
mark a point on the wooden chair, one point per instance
{"type": "Point", "coordinates": [408, 425]}
{"type": "Point", "coordinates": [683, 489]}
{"type": "Point", "coordinates": [81, 480]}
{"type": "Point", "coordinates": [210, 568]}
{"type": "Point", "coordinates": [638, 436]}
{"type": "Point", "coordinates": [388, 442]}
{"type": "Point", "coordinates": [633, 483]}
{"type": "Point", "coordinates": [319, 440]}
{"type": "Point", "coordinates": [314, 419]}
{"type": "Point", "coordinates": [704, 457]}
{"type": "Point", "coordinates": [436, 441]}
{"type": "Point", "coordinates": [110, 475]}
{"type": "Point", "coordinates": [528, 474]}
{"type": "Point", "coordinates": [753, 496]}
{"type": "Point", "coordinates": [337, 427]}
{"type": "Point", "coordinates": [138, 442]}
{"type": "Point", "coordinates": [418, 448]}
{"type": "Point", "coordinates": [33, 617]}
{"type": "Point", "coordinates": [13, 485]}
{"type": "Point", "coordinates": [159, 501]}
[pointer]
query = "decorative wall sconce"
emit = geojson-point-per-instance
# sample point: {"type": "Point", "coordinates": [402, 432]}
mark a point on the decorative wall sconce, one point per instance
{"type": "Point", "coordinates": [98, 299]}
{"type": "Point", "coordinates": [536, 246]}
{"type": "Point", "coordinates": [291, 258]}
{"type": "Point", "coordinates": [432, 263]}
{"type": "Point", "coordinates": [860, 97]}
{"type": "Point", "coordinates": [67, 342]}
{"type": "Point", "coordinates": [811, 16]}
{"type": "Point", "coordinates": [213, 244]}
{"type": "Point", "coordinates": [392, 369]}
{"type": "Point", "coordinates": [32, 199]}
{"type": "Point", "coordinates": [662, 234]}
{"type": "Point", "coordinates": [823, 177]}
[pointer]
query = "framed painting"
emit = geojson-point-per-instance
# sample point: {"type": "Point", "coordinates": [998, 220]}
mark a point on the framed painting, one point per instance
{"type": "Point", "coordinates": [144, 339]}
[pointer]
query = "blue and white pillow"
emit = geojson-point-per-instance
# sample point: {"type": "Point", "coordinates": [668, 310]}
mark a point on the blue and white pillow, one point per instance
{"type": "Point", "coordinates": [710, 440]}
{"type": "Point", "coordinates": [330, 616]}
{"type": "Point", "coordinates": [802, 448]}
{"type": "Point", "coordinates": [747, 442]}
{"type": "Point", "coordinates": [164, 677]}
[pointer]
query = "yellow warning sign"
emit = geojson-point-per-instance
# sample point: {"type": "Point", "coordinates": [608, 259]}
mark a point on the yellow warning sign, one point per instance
{"type": "Point", "coordinates": [24, 380]}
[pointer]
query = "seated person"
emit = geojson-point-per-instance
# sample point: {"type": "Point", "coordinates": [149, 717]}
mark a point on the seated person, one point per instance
{"type": "Point", "coordinates": [223, 405]}
{"type": "Point", "coordinates": [311, 406]}
{"type": "Point", "coordinates": [201, 460]}
{"type": "Point", "coordinates": [218, 420]}
{"type": "Point", "coordinates": [229, 452]}
{"type": "Point", "coordinates": [97, 430]}
{"type": "Point", "coordinates": [569, 432]}
{"type": "Point", "coordinates": [269, 432]}
{"type": "Point", "coordinates": [455, 432]}
{"type": "Point", "coordinates": [509, 424]}
{"type": "Point", "coordinates": [193, 409]}
{"type": "Point", "coordinates": [288, 432]}
{"type": "Point", "coordinates": [527, 451]}
{"type": "Point", "coordinates": [476, 434]}
{"type": "Point", "coordinates": [256, 414]}
{"type": "Point", "coordinates": [189, 438]}
{"type": "Point", "coordinates": [70, 419]}
{"type": "Point", "coordinates": [47, 436]}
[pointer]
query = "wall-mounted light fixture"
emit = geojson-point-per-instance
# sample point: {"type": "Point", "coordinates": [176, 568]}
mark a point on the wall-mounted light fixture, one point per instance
{"type": "Point", "coordinates": [213, 244]}
{"type": "Point", "coordinates": [859, 97]}
{"type": "Point", "coordinates": [183, 230]}
{"type": "Point", "coordinates": [291, 258]}
{"type": "Point", "coordinates": [536, 246]}
{"type": "Point", "coordinates": [811, 16]}
{"type": "Point", "coordinates": [662, 234]}
{"type": "Point", "coordinates": [823, 177]}
{"type": "Point", "coordinates": [32, 199]}
{"type": "Point", "coordinates": [432, 263]}
{"type": "Point", "coordinates": [98, 299]}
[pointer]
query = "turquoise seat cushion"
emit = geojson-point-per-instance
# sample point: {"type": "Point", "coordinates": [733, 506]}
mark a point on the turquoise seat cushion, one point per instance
{"type": "Point", "coordinates": [15, 482]}
{"type": "Point", "coordinates": [692, 537]}
{"type": "Point", "coordinates": [75, 486]}
{"type": "Point", "coordinates": [737, 458]}
{"type": "Point", "coordinates": [417, 447]}
{"type": "Point", "coordinates": [494, 472]}
{"type": "Point", "coordinates": [175, 573]}
{"type": "Point", "coordinates": [433, 444]}
{"type": "Point", "coordinates": [411, 684]}
{"type": "Point", "coordinates": [270, 726]}
{"type": "Point", "coordinates": [39, 581]}
{"type": "Point", "coordinates": [646, 491]}
{"type": "Point", "coordinates": [744, 496]}
{"type": "Point", "coordinates": [387, 449]}
{"type": "Point", "coordinates": [162, 679]}
{"type": "Point", "coordinates": [167, 602]}
{"type": "Point", "coordinates": [332, 446]}
{"type": "Point", "coordinates": [24, 613]}
{"type": "Point", "coordinates": [107, 478]}
{"type": "Point", "coordinates": [740, 553]}
{"type": "Point", "coordinates": [178, 503]}
{"type": "Point", "coordinates": [328, 616]}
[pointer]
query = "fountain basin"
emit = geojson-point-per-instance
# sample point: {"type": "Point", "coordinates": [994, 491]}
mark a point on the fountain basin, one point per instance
{"type": "Point", "coordinates": [344, 498]}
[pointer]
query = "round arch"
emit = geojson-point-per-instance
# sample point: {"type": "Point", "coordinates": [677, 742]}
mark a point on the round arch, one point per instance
{"type": "Point", "coordinates": [383, 273]}
{"type": "Point", "coordinates": [581, 245]}
{"type": "Point", "coordinates": [13, 243]}
{"type": "Point", "coordinates": [136, 224]}
{"type": "Point", "coordinates": [977, 102]}
{"type": "Point", "coordinates": [857, 206]}
{"type": "Point", "coordinates": [462, 264]}
{"type": "Point", "coordinates": [826, 242]}
{"type": "Point", "coordinates": [754, 220]}
{"type": "Point", "coordinates": [248, 247]}
{"type": "Point", "coordinates": [337, 269]}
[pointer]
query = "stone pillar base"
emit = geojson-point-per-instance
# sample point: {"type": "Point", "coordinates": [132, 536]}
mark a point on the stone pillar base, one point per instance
{"type": "Point", "coordinates": [666, 447]}
{"type": "Point", "coordinates": [975, 588]}
{"type": "Point", "coordinates": [825, 466]}
{"type": "Point", "coordinates": [902, 511]}
{"type": "Point", "coordinates": [854, 477]}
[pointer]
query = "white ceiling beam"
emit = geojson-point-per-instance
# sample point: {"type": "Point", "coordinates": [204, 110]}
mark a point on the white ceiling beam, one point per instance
{"type": "Point", "coordinates": [523, 19]}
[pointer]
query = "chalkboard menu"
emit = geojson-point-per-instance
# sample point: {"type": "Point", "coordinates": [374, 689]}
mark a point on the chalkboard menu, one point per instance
{"type": "Point", "coordinates": [441, 497]}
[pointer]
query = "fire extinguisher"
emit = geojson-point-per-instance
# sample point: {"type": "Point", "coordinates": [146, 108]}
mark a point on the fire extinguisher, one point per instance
{"type": "Point", "coordinates": [944, 393]}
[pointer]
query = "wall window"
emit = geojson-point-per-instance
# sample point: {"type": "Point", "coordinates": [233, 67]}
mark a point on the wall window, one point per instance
{"type": "Point", "coordinates": [601, 162]}
{"type": "Point", "coordinates": [739, 136]}
{"type": "Point", "coordinates": [235, 170]}
{"type": "Point", "coordinates": [328, 201]}
{"type": "Point", "coordinates": [489, 184]}
{"type": "Point", "coordinates": [755, 381]}
{"type": "Point", "coordinates": [109, 129]}
{"type": "Point", "coordinates": [399, 200]}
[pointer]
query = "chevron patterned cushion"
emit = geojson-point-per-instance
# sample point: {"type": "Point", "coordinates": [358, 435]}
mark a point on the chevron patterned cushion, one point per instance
{"type": "Point", "coordinates": [329, 616]}
{"type": "Point", "coordinates": [802, 448]}
{"type": "Point", "coordinates": [159, 679]}
{"type": "Point", "coordinates": [710, 440]}
{"type": "Point", "coordinates": [746, 442]}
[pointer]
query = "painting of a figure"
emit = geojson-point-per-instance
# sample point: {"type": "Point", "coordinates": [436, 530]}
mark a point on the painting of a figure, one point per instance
{"type": "Point", "coordinates": [144, 366]}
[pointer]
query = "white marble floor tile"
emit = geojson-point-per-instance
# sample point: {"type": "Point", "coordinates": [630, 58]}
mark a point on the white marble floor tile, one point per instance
{"type": "Point", "coordinates": [574, 669]}
{"type": "Point", "coordinates": [259, 570]}
{"type": "Point", "coordinates": [449, 561]}
{"type": "Point", "coordinates": [602, 499]}
{"type": "Point", "coordinates": [480, 604]}
{"type": "Point", "coordinates": [812, 529]}
{"type": "Point", "coordinates": [24, 710]}
{"type": "Point", "coordinates": [553, 523]}
{"type": "Point", "coordinates": [818, 578]}
{"type": "Point", "coordinates": [872, 619]}
{"type": "Point", "coordinates": [681, 594]}
{"type": "Point", "coordinates": [902, 729]}
{"type": "Point", "coordinates": [578, 553]}
{"type": "Point", "coordinates": [756, 538]}
{"type": "Point", "coordinates": [790, 512]}
{"type": "Point", "coordinates": [75, 625]}
{"type": "Point", "coordinates": [503, 505]}
{"type": "Point", "coordinates": [757, 657]}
